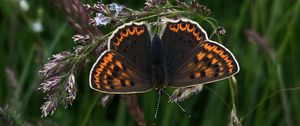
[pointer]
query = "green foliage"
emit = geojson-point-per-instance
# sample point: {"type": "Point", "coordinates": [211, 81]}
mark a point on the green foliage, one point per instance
{"type": "Point", "coordinates": [262, 34]}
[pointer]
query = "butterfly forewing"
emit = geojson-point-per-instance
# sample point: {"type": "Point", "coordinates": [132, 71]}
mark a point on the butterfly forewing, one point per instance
{"type": "Point", "coordinates": [113, 73]}
{"type": "Point", "coordinates": [180, 38]}
{"type": "Point", "coordinates": [124, 67]}
{"type": "Point", "coordinates": [132, 40]}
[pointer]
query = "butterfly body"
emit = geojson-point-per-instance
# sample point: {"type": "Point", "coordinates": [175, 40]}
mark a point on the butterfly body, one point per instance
{"type": "Point", "coordinates": [182, 56]}
{"type": "Point", "coordinates": [158, 72]}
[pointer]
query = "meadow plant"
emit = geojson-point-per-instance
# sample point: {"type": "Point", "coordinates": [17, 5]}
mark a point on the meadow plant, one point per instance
{"type": "Point", "coordinates": [94, 24]}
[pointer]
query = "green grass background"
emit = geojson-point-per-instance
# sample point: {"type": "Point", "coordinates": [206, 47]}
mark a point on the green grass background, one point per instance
{"type": "Point", "coordinates": [262, 98]}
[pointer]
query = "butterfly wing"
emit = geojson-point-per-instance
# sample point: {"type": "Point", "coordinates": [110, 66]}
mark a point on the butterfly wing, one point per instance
{"type": "Point", "coordinates": [192, 58]}
{"type": "Point", "coordinates": [180, 37]}
{"type": "Point", "coordinates": [124, 67]}
{"type": "Point", "coordinates": [113, 73]}
{"type": "Point", "coordinates": [132, 40]}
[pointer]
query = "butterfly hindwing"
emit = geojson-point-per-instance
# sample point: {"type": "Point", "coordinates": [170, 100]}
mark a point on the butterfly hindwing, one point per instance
{"type": "Point", "coordinates": [115, 74]}
{"type": "Point", "coordinates": [207, 63]}
{"type": "Point", "coordinates": [132, 40]}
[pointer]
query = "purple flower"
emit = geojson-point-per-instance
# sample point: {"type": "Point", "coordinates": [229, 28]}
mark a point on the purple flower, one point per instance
{"type": "Point", "coordinates": [60, 56]}
{"type": "Point", "coordinates": [47, 68]}
{"type": "Point", "coordinates": [100, 19]}
{"type": "Point", "coordinates": [221, 30]}
{"type": "Point", "coordinates": [48, 84]}
{"type": "Point", "coordinates": [101, 8]}
{"type": "Point", "coordinates": [152, 3]}
{"type": "Point", "coordinates": [53, 64]}
{"type": "Point", "coordinates": [81, 39]}
{"type": "Point", "coordinates": [117, 8]}
{"type": "Point", "coordinates": [70, 89]}
{"type": "Point", "coordinates": [49, 107]}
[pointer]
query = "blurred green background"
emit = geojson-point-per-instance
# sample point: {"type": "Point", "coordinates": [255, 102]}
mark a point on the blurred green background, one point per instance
{"type": "Point", "coordinates": [262, 34]}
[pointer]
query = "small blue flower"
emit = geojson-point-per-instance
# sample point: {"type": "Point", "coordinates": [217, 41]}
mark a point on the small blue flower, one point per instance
{"type": "Point", "coordinates": [117, 8]}
{"type": "Point", "coordinates": [101, 19]}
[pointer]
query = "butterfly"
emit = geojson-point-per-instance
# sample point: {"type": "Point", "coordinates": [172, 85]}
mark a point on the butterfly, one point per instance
{"type": "Point", "coordinates": [181, 55]}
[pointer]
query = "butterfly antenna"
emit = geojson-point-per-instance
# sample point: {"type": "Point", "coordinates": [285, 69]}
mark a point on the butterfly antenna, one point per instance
{"type": "Point", "coordinates": [158, 103]}
{"type": "Point", "coordinates": [212, 34]}
{"type": "Point", "coordinates": [183, 110]}
{"type": "Point", "coordinates": [157, 106]}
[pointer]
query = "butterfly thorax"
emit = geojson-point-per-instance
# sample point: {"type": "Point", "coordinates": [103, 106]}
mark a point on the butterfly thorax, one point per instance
{"type": "Point", "coordinates": [157, 63]}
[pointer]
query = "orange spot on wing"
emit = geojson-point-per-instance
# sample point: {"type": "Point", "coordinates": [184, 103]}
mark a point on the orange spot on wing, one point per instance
{"type": "Point", "coordinates": [109, 56]}
{"type": "Point", "coordinates": [190, 29]}
{"type": "Point", "coordinates": [104, 63]}
{"type": "Point", "coordinates": [201, 64]}
{"type": "Point", "coordinates": [118, 63]}
{"type": "Point", "coordinates": [131, 32]}
{"type": "Point", "coordinates": [97, 85]}
{"type": "Point", "coordinates": [108, 72]}
{"type": "Point", "coordinates": [216, 50]}
{"type": "Point", "coordinates": [221, 68]}
{"type": "Point", "coordinates": [229, 62]}
{"type": "Point", "coordinates": [105, 82]}
{"type": "Point", "coordinates": [198, 37]}
{"type": "Point", "coordinates": [209, 72]}
{"type": "Point", "coordinates": [104, 76]}
{"type": "Point", "coordinates": [117, 83]}
{"type": "Point", "coordinates": [174, 27]}
{"type": "Point", "coordinates": [195, 33]}
{"type": "Point", "coordinates": [200, 55]}
{"type": "Point", "coordinates": [117, 43]}
{"type": "Point", "coordinates": [124, 34]}
{"type": "Point", "coordinates": [222, 55]}
{"type": "Point", "coordinates": [214, 60]}
{"type": "Point", "coordinates": [127, 82]}
{"type": "Point", "coordinates": [197, 74]}
{"type": "Point", "coordinates": [221, 73]}
{"type": "Point", "coordinates": [209, 47]}
{"type": "Point", "coordinates": [120, 38]}
{"type": "Point", "coordinates": [107, 87]}
{"type": "Point", "coordinates": [124, 75]}
{"type": "Point", "coordinates": [99, 69]}
{"type": "Point", "coordinates": [140, 31]}
{"type": "Point", "coordinates": [96, 79]}
{"type": "Point", "coordinates": [112, 66]}
{"type": "Point", "coordinates": [181, 27]}
{"type": "Point", "coordinates": [210, 56]}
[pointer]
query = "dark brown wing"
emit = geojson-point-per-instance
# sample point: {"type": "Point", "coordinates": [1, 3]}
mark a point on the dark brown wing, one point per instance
{"type": "Point", "coordinates": [208, 63]}
{"type": "Point", "coordinates": [132, 40]}
{"type": "Point", "coordinates": [113, 73]}
{"type": "Point", "coordinates": [192, 58]}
